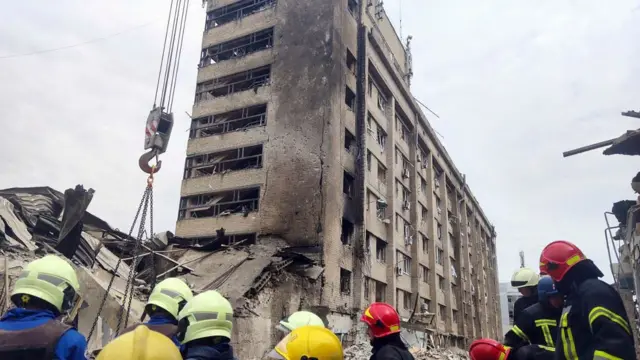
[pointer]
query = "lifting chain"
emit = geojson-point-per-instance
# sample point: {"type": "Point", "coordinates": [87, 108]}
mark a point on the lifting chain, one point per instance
{"type": "Point", "coordinates": [146, 205]}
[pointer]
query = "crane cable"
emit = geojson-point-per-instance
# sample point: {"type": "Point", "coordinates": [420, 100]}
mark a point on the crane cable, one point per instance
{"type": "Point", "coordinates": [164, 96]}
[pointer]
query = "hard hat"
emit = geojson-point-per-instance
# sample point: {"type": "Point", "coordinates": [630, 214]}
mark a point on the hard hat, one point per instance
{"type": "Point", "coordinates": [207, 314]}
{"type": "Point", "coordinates": [382, 319]}
{"type": "Point", "coordinates": [488, 349]}
{"type": "Point", "coordinates": [171, 295]}
{"type": "Point", "coordinates": [301, 318]}
{"type": "Point", "coordinates": [50, 279]}
{"type": "Point", "coordinates": [524, 277]}
{"type": "Point", "coordinates": [546, 288]}
{"type": "Point", "coordinates": [308, 342]}
{"type": "Point", "coordinates": [140, 344]}
{"type": "Point", "coordinates": [558, 257]}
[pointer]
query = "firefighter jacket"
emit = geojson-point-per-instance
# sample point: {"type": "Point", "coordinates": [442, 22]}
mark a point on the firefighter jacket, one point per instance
{"type": "Point", "coordinates": [537, 325]}
{"type": "Point", "coordinates": [196, 350]}
{"type": "Point", "coordinates": [37, 335]}
{"type": "Point", "coordinates": [594, 324]}
{"type": "Point", "coordinates": [389, 347]}
{"type": "Point", "coordinates": [162, 324]}
{"type": "Point", "coordinates": [531, 352]}
{"type": "Point", "coordinates": [523, 303]}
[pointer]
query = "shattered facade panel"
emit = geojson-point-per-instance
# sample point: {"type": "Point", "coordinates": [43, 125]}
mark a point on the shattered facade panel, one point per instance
{"type": "Point", "coordinates": [347, 161]}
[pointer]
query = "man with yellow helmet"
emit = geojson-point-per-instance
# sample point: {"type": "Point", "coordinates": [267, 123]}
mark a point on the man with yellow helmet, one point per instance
{"type": "Point", "coordinates": [308, 342]}
{"type": "Point", "coordinates": [526, 281]}
{"type": "Point", "coordinates": [205, 326]}
{"type": "Point", "coordinates": [165, 302]}
{"type": "Point", "coordinates": [46, 289]}
{"type": "Point", "coordinates": [140, 344]}
{"type": "Point", "coordinates": [298, 319]}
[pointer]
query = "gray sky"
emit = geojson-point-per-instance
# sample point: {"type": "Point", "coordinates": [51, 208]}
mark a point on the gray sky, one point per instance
{"type": "Point", "coordinates": [515, 84]}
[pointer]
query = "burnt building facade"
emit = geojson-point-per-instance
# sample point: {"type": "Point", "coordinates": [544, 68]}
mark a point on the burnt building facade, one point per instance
{"type": "Point", "coordinates": [304, 128]}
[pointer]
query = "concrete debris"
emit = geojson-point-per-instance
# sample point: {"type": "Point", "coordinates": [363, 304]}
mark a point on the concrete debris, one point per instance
{"type": "Point", "coordinates": [362, 351]}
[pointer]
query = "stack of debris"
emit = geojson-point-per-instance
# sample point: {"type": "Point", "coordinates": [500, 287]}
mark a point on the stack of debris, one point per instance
{"type": "Point", "coordinates": [39, 220]}
{"type": "Point", "coordinates": [362, 351]}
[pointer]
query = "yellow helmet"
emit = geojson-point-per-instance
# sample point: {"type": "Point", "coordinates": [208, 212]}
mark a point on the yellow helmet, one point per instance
{"type": "Point", "coordinates": [50, 279]}
{"type": "Point", "coordinates": [524, 277]}
{"type": "Point", "coordinates": [311, 342]}
{"type": "Point", "coordinates": [207, 314]}
{"type": "Point", "coordinates": [140, 344]}
{"type": "Point", "coordinates": [170, 294]}
{"type": "Point", "coordinates": [298, 319]}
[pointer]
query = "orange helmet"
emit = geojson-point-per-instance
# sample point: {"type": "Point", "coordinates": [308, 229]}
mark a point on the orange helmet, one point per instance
{"type": "Point", "coordinates": [382, 319]}
{"type": "Point", "coordinates": [488, 349]}
{"type": "Point", "coordinates": [558, 257]}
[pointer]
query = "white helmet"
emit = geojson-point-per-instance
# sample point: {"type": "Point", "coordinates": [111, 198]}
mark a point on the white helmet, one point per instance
{"type": "Point", "coordinates": [524, 277]}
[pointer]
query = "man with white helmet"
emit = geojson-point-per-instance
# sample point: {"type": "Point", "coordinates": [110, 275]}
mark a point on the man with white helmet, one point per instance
{"type": "Point", "coordinates": [298, 319]}
{"type": "Point", "coordinates": [526, 281]}
{"type": "Point", "coordinates": [165, 302]}
{"type": "Point", "coordinates": [46, 289]}
{"type": "Point", "coordinates": [205, 326]}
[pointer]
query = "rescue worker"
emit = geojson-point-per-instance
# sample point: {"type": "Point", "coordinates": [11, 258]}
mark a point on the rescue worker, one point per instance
{"type": "Point", "coordinates": [538, 323]}
{"type": "Point", "coordinates": [46, 289]}
{"type": "Point", "coordinates": [489, 349]}
{"type": "Point", "coordinates": [383, 324]}
{"type": "Point", "coordinates": [297, 319]}
{"type": "Point", "coordinates": [526, 281]}
{"type": "Point", "coordinates": [140, 343]}
{"type": "Point", "coordinates": [594, 323]}
{"type": "Point", "coordinates": [165, 302]}
{"type": "Point", "coordinates": [205, 326]}
{"type": "Point", "coordinates": [308, 342]}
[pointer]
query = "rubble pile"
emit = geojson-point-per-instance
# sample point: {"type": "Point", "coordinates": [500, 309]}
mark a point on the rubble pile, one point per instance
{"type": "Point", "coordinates": [362, 351]}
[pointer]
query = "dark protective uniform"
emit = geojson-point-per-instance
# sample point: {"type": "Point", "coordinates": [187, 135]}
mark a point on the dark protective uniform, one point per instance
{"type": "Point", "coordinates": [162, 324]}
{"type": "Point", "coordinates": [594, 323]}
{"type": "Point", "coordinates": [522, 303]}
{"type": "Point", "coordinates": [390, 348]}
{"type": "Point", "coordinates": [37, 335]}
{"type": "Point", "coordinates": [203, 349]}
{"type": "Point", "coordinates": [537, 325]}
{"type": "Point", "coordinates": [531, 352]}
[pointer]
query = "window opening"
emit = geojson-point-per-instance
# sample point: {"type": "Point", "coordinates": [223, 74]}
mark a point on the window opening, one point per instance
{"type": "Point", "coordinates": [348, 184]}
{"type": "Point", "coordinates": [347, 232]}
{"type": "Point", "coordinates": [349, 141]}
{"type": "Point", "coordinates": [234, 83]}
{"type": "Point", "coordinates": [345, 281]}
{"type": "Point", "coordinates": [249, 157]}
{"type": "Point", "coordinates": [350, 98]}
{"type": "Point", "coordinates": [237, 48]}
{"type": "Point", "coordinates": [351, 62]}
{"type": "Point", "coordinates": [236, 11]}
{"type": "Point", "coordinates": [234, 120]}
{"type": "Point", "coordinates": [220, 203]}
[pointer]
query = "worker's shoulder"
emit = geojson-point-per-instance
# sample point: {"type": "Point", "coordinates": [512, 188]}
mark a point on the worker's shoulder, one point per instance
{"type": "Point", "coordinates": [72, 337]}
{"type": "Point", "coordinates": [595, 286]}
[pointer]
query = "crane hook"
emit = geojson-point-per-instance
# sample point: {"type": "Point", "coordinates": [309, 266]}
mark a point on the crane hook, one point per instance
{"type": "Point", "coordinates": [146, 158]}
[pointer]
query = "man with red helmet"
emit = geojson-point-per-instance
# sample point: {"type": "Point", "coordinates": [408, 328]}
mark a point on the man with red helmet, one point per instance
{"type": "Point", "coordinates": [489, 349]}
{"type": "Point", "coordinates": [383, 322]}
{"type": "Point", "coordinates": [594, 323]}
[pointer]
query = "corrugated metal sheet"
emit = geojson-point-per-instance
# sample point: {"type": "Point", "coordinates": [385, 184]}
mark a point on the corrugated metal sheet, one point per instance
{"type": "Point", "coordinates": [12, 222]}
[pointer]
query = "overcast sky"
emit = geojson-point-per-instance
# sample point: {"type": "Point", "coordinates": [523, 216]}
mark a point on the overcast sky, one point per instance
{"type": "Point", "coordinates": [515, 85]}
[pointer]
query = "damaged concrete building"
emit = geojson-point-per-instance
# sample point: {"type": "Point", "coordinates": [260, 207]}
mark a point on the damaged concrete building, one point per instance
{"type": "Point", "coordinates": [305, 131]}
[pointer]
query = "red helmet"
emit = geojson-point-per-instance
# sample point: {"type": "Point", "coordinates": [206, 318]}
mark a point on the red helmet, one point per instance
{"type": "Point", "coordinates": [488, 349]}
{"type": "Point", "coordinates": [382, 319]}
{"type": "Point", "coordinates": [558, 257]}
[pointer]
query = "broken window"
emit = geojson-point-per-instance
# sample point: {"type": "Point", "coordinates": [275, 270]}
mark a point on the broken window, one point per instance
{"type": "Point", "coordinates": [381, 289]}
{"type": "Point", "coordinates": [381, 137]}
{"type": "Point", "coordinates": [438, 205]}
{"type": "Point", "coordinates": [405, 197]}
{"type": "Point", "coordinates": [350, 98]}
{"type": "Point", "coordinates": [369, 160]}
{"type": "Point", "coordinates": [347, 232]}
{"type": "Point", "coordinates": [382, 174]}
{"type": "Point", "coordinates": [406, 299]}
{"type": "Point", "coordinates": [348, 184]}
{"type": "Point", "coordinates": [424, 273]}
{"type": "Point", "coordinates": [249, 157]}
{"type": "Point", "coordinates": [440, 256]}
{"type": "Point", "coordinates": [367, 288]}
{"type": "Point", "coordinates": [442, 312]}
{"type": "Point", "coordinates": [423, 186]}
{"type": "Point", "coordinates": [424, 215]}
{"type": "Point", "coordinates": [402, 129]}
{"type": "Point", "coordinates": [349, 141]}
{"type": "Point", "coordinates": [220, 203]}
{"type": "Point", "coordinates": [423, 158]}
{"type": "Point", "coordinates": [345, 281]}
{"type": "Point", "coordinates": [234, 120]}
{"type": "Point", "coordinates": [236, 48]}
{"type": "Point", "coordinates": [236, 11]}
{"type": "Point", "coordinates": [439, 230]}
{"type": "Point", "coordinates": [351, 62]}
{"type": "Point", "coordinates": [381, 250]}
{"type": "Point", "coordinates": [425, 244]}
{"type": "Point", "coordinates": [216, 242]}
{"type": "Point", "coordinates": [441, 283]}
{"type": "Point", "coordinates": [404, 263]}
{"type": "Point", "coordinates": [352, 5]}
{"type": "Point", "coordinates": [234, 83]}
